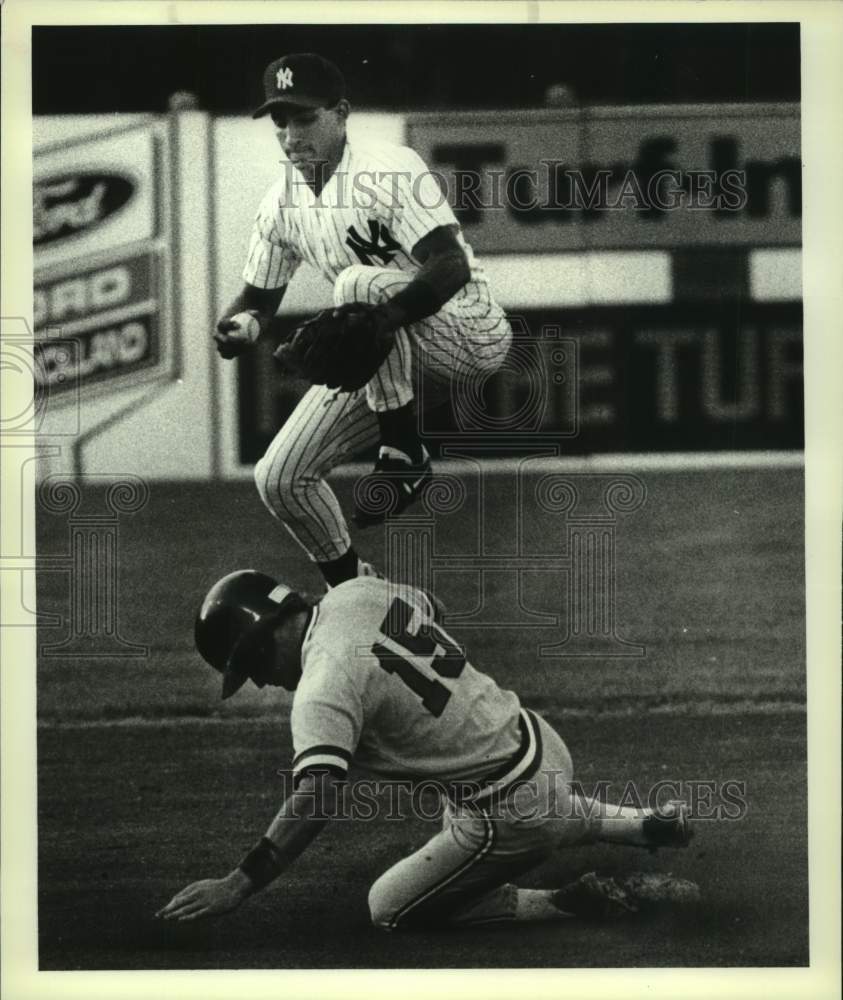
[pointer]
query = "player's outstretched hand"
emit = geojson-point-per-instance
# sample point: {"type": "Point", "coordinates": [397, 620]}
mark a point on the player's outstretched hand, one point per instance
{"type": "Point", "coordinates": [209, 898]}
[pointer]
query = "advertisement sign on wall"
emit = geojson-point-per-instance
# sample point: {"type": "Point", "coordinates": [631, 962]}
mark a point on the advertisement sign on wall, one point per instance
{"type": "Point", "coordinates": [683, 176]}
{"type": "Point", "coordinates": [101, 296]}
{"type": "Point", "coordinates": [665, 378]}
{"type": "Point", "coordinates": [98, 323]}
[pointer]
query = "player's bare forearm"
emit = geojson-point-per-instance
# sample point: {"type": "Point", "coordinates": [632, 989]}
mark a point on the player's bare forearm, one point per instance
{"type": "Point", "coordinates": [264, 301]}
{"type": "Point", "coordinates": [444, 271]}
{"type": "Point", "coordinates": [302, 817]}
{"type": "Point", "coordinates": [299, 821]}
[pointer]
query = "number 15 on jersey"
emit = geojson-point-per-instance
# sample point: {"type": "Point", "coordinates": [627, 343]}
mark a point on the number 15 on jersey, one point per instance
{"type": "Point", "coordinates": [446, 658]}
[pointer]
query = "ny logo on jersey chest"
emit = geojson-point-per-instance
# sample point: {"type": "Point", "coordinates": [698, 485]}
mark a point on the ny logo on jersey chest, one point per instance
{"type": "Point", "coordinates": [380, 246]}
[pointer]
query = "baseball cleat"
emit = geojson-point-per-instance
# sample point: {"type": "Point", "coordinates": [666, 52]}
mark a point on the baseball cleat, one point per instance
{"type": "Point", "coordinates": [390, 488]}
{"type": "Point", "coordinates": [648, 890]}
{"type": "Point", "coordinates": [593, 897]}
{"type": "Point", "coordinates": [668, 826]}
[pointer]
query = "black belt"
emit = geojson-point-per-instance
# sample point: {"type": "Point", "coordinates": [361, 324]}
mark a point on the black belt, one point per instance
{"type": "Point", "coordinates": [519, 768]}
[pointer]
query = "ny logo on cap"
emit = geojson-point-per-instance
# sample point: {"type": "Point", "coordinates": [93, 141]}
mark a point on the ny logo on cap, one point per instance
{"type": "Point", "coordinates": [284, 78]}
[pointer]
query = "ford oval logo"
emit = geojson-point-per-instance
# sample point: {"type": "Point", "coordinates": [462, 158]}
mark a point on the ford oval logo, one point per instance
{"type": "Point", "coordinates": [70, 204]}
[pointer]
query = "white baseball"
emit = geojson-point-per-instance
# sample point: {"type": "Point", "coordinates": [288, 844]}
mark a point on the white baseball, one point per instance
{"type": "Point", "coordinates": [248, 328]}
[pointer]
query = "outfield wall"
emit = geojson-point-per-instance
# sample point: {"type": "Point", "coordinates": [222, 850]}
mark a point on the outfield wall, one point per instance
{"type": "Point", "coordinates": [679, 329]}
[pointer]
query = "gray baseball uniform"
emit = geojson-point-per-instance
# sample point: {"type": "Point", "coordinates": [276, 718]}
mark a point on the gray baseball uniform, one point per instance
{"type": "Point", "coordinates": [386, 686]}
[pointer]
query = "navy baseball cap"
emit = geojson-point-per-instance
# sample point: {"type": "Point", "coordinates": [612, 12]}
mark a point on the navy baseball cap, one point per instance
{"type": "Point", "coordinates": [303, 79]}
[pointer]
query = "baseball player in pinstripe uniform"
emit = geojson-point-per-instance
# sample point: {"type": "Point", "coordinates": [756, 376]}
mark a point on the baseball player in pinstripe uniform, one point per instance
{"type": "Point", "coordinates": [379, 682]}
{"type": "Point", "coordinates": [374, 221]}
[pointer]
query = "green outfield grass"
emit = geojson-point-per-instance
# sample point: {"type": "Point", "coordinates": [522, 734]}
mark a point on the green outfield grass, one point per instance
{"type": "Point", "coordinates": [146, 780]}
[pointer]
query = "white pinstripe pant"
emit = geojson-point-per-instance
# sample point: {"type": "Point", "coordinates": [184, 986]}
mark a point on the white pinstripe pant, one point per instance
{"type": "Point", "coordinates": [467, 338]}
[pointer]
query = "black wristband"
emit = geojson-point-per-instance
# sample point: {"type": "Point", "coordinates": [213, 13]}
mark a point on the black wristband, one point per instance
{"type": "Point", "coordinates": [262, 864]}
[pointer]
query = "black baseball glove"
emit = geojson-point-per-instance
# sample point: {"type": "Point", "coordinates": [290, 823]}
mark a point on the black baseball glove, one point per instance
{"type": "Point", "coordinates": [341, 348]}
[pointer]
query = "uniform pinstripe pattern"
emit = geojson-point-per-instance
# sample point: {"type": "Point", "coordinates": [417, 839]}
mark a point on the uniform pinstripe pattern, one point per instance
{"type": "Point", "coordinates": [322, 432]}
{"type": "Point", "coordinates": [382, 186]}
{"type": "Point", "coordinates": [460, 341]}
{"type": "Point", "coordinates": [379, 183]}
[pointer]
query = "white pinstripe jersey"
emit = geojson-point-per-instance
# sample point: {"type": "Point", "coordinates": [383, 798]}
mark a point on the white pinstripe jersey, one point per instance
{"type": "Point", "coordinates": [376, 206]}
{"type": "Point", "coordinates": [383, 684]}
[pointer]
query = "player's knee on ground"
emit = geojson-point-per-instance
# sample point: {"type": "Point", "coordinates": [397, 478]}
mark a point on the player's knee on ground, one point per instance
{"type": "Point", "coordinates": [385, 912]}
{"type": "Point", "coordinates": [382, 908]}
{"type": "Point", "coordinates": [392, 908]}
{"type": "Point", "coordinates": [385, 906]}
{"type": "Point", "coordinates": [359, 283]}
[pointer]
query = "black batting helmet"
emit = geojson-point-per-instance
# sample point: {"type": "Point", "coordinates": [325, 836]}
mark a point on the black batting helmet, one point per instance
{"type": "Point", "coordinates": [236, 616]}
